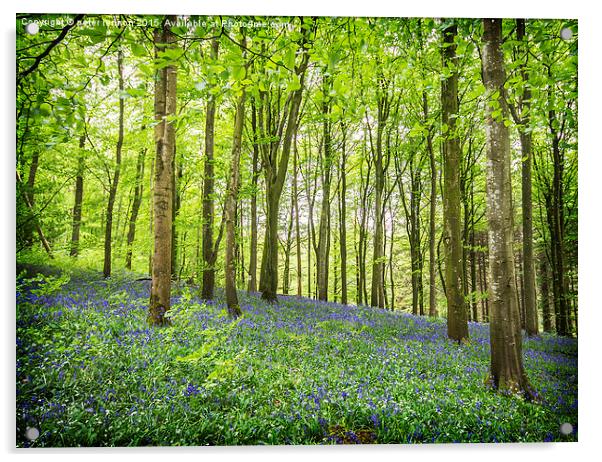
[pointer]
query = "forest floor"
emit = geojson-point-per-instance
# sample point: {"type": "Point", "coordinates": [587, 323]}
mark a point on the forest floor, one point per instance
{"type": "Point", "coordinates": [90, 372]}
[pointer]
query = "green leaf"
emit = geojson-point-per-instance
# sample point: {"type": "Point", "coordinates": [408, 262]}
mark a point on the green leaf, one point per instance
{"type": "Point", "coordinates": [289, 59]}
{"type": "Point", "coordinates": [138, 50]}
{"type": "Point", "coordinates": [294, 84]}
{"type": "Point", "coordinates": [239, 73]}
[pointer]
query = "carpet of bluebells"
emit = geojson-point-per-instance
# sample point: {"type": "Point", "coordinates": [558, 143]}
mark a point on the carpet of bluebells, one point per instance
{"type": "Point", "coordinates": [90, 372]}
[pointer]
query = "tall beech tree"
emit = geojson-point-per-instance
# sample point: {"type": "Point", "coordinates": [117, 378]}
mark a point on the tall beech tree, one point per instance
{"type": "Point", "coordinates": [252, 285]}
{"type": "Point", "coordinates": [322, 256]}
{"type": "Point", "coordinates": [507, 370]}
{"type": "Point", "coordinates": [275, 168]}
{"type": "Point", "coordinates": [522, 117]}
{"type": "Point", "coordinates": [114, 180]}
{"type": "Point", "coordinates": [165, 109]}
{"type": "Point", "coordinates": [457, 323]}
{"type": "Point", "coordinates": [230, 211]}
{"type": "Point", "coordinates": [209, 248]}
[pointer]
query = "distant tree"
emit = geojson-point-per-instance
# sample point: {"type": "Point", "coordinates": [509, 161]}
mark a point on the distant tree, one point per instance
{"type": "Point", "coordinates": [79, 194]}
{"type": "Point", "coordinates": [114, 180]}
{"type": "Point", "coordinates": [136, 202]}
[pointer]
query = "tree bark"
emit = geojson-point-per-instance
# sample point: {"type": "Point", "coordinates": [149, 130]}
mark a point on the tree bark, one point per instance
{"type": "Point", "coordinates": [432, 214]}
{"type": "Point", "coordinates": [326, 168]}
{"type": "Point", "coordinates": [377, 296]}
{"type": "Point", "coordinates": [115, 180]}
{"type": "Point", "coordinates": [528, 281]}
{"type": "Point", "coordinates": [79, 194]}
{"type": "Point", "coordinates": [296, 209]}
{"type": "Point", "coordinates": [209, 256]}
{"type": "Point", "coordinates": [546, 309]}
{"type": "Point", "coordinates": [507, 370]}
{"type": "Point", "coordinates": [30, 192]}
{"type": "Point", "coordinates": [135, 206]}
{"type": "Point", "coordinates": [176, 176]}
{"type": "Point", "coordinates": [252, 286]}
{"type": "Point", "coordinates": [343, 215]}
{"type": "Point", "coordinates": [165, 108]}
{"type": "Point", "coordinates": [457, 324]}
{"type": "Point", "coordinates": [231, 199]}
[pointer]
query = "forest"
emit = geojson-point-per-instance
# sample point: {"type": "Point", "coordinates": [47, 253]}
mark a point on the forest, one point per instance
{"type": "Point", "coordinates": [295, 230]}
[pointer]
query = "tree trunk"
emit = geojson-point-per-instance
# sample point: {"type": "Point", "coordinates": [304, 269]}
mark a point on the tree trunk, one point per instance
{"type": "Point", "coordinates": [114, 182]}
{"type": "Point", "coordinates": [151, 213]}
{"type": "Point", "coordinates": [252, 287]}
{"type": "Point", "coordinates": [209, 256]}
{"type": "Point", "coordinates": [286, 279]}
{"type": "Point", "coordinates": [165, 108]}
{"type": "Point", "coordinates": [507, 371]}
{"type": "Point", "coordinates": [176, 176]}
{"type": "Point", "coordinates": [432, 214]}
{"type": "Point", "coordinates": [343, 215]}
{"type": "Point", "coordinates": [275, 177]}
{"type": "Point", "coordinates": [296, 209]}
{"type": "Point", "coordinates": [457, 324]}
{"type": "Point", "coordinates": [79, 194]}
{"type": "Point", "coordinates": [135, 206]}
{"type": "Point", "coordinates": [377, 296]}
{"type": "Point", "coordinates": [30, 192]}
{"type": "Point", "coordinates": [563, 321]}
{"type": "Point", "coordinates": [231, 199]}
{"type": "Point", "coordinates": [529, 300]}
{"type": "Point", "coordinates": [322, 258]}
{"type": "Point", "coordinates": [546, 309]}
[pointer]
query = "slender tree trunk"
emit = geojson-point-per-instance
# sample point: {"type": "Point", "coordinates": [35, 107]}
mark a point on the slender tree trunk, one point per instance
{"type": "Point", "coordinates": [485, 265]}
{"type": "Point", "coordinates": [296, 210]}
{"type": "Point", "coordinates": [507, 370]}
{"type": "Point", "coordinates": [252, 287]}
{"type": "Point", "coordinates": [519, 292]}
{"type": "Point", "coordinates": [135, 206]}
{"type": "Point", "coordinates": [30, 192]}
{"type": "Point", "coordinates": [529, 300]}
{"type": "Point", "coordinates": [151, 213]}
{"type": "Point", "coordinates": [176, 176]}
{"type": "Point", "coordinates": [115, 180]}
{"type": "Point", "coordinates": [377, 296]}
{"type": "Point", "coordinates": [288, 245]}
{"type": "Point", "coordinates": [546, 309]}
{"type": "Point", "coordinates": [432, 215]}
{"type": "Point", "coordinates": [231, 199]}
{"type": "Point", "coordinates": [322, 258]}
{"type": "Point", "coordinates": [457, 324]}
{"type": "Point", "coordinates": [165, 108]}
{"type": "Point", "coordinates": [563, 321]}
{"type": "Point", "coordinates": [209, 256]}
{"type": "Point", "coordinates": [343, 215]}
{"type": "Point", "coordinates": [79, 194]}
